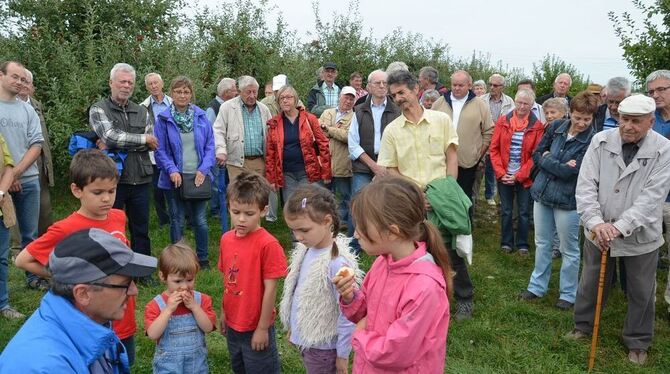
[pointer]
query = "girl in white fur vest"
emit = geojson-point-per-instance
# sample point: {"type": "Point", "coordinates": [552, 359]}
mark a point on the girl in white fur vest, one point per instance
{"type": "Point", "coordinates": [309, 309]}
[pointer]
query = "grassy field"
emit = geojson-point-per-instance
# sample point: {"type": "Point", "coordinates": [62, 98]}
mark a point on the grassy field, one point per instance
{"type": "Point", "coordinates": [505, 335]}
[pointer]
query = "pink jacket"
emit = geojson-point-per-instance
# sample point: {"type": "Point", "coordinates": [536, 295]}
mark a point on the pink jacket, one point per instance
{"type": "Point", "coordinates": [407, 312]}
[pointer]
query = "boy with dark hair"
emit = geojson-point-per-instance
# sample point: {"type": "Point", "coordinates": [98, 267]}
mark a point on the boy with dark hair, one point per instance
{"type": "Point", "coordinates": [93, 178]}
{"type": "Point", "coordinates": [251, 261]}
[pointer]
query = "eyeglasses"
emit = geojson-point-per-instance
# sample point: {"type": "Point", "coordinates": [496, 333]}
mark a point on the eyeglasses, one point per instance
{"type": "Point", "coordinates": [495, 85]}
{"type": "Point", "coordinates": [282, 98]}
{"type": "Point", "coordinates": [379, 83]}
{"type": "Point", "coordinates": [110, 285]}
{"type": "Point", "coordinates": [660, 90]}
{"type": "Point", "coordinates": [182, 93]}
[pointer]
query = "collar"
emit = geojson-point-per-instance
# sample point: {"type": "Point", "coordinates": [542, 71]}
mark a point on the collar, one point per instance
{"type": "Point", "coordinates": [167, 100]}
{"type": "Point", "coordinates": [244, 106]}
{"type": "Point", "coordinates": [325, 85]}
{"type": "Point", "coordinates": [421, 120]}
{"type": "Point", "coordinates": [338, 111]}
{"type": "Point", "coordinates": [454, 99]}
{"type": "Point", "coordinates": [381, 106]}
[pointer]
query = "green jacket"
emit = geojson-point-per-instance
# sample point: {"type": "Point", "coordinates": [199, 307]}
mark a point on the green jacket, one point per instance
{"type": "Point", "coordinates": [449, 209]}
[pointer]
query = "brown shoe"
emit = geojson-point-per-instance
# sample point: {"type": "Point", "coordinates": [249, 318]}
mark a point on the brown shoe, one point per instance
{"type": "Point", "coordinates": [637, 356]}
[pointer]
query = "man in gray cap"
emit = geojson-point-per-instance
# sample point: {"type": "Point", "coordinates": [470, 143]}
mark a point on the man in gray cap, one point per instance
{"type": "Point", "coordinates": [92, 280]}
{"type": "Point", "coordinates": [325, 93]}
{"type": "Point", "coordinates": [622, 183]}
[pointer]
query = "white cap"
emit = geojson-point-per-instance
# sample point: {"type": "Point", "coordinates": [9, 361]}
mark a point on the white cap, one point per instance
{"type": "Point", "coordinates": [348, 90]}
{"type": "Point", "coordinates": [279, 81]}
{"type": "Point", "coordinates": [637, 105]}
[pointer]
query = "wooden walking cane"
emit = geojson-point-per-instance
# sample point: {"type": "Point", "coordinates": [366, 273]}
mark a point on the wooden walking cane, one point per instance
{"type": "Point", "coordinates": [599, 300]}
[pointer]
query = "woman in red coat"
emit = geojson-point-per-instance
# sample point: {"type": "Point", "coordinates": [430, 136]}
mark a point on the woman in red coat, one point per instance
{"type": "Point", "coordinates": [514, 139]}
{"type": "Point", "coordinates": [296, 148]}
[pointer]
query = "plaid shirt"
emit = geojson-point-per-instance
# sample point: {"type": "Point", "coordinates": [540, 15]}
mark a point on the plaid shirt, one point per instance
{"type": "Point", "coordinates": [254, 144]}
{"type": "Point", "coordinates": [331, 94]}
{"type": "Point", "coordinates": [114, 137]}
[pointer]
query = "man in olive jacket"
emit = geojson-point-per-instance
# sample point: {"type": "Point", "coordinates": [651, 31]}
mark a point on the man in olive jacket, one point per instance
{"type": "Point", "coordinates": [623, 181]}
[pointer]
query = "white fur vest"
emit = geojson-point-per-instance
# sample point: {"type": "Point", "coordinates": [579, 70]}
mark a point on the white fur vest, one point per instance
{"type": "Point", "coordinates": [318, 310]}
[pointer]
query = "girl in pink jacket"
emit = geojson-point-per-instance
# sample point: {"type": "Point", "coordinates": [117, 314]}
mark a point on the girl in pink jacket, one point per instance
{"type": "Point", "coordinates": [402, 310]}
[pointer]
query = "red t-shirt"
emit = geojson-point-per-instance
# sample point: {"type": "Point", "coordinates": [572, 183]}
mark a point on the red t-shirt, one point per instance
{"type": "Point", "coordinates": [152, 311]}
{"type": "Point", "coordinates": [245, 262]}
{"type": "Point", "coordinates": [115, 224]}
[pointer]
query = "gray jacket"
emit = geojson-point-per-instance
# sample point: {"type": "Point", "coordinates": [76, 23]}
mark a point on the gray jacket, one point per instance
{"type": "Point", "coordinates": [630, 197]}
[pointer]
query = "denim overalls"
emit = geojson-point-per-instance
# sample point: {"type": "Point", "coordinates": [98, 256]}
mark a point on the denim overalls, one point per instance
{"type": "Point", "coordinates": [181, 348]}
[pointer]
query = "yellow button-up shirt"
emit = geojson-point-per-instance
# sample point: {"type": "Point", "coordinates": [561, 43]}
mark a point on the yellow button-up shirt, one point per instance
{"type": "Point", "coordinates": [418, 150]}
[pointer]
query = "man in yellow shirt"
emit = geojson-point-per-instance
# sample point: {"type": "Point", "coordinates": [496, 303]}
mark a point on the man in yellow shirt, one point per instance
{"type": "Point", "coordinates": [421, 145]}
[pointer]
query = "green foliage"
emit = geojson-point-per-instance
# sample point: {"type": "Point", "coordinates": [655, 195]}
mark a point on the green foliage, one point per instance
{"type": "Point", "coordinates": [647, 48]}
{"type": "Point", "coordinates": [545, 72]}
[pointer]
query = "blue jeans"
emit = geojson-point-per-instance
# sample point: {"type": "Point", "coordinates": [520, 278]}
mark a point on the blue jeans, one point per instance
{"type": "Point", "coordinates": [292, 179]}
{"type": "Point", "coordinates": [566, 222]}
{"type": "Point", "coordinates": [197, 210]}
{"type": "Point", "coordinates": [489, 179]}
{"type": "Point", "coordinates": [4, 265]}
{"type": "Point", "coordinates": [27, 206]}
{"type": "Point", "coordinates": [135, 199]}
{"type": "Point", "coordinates": [220, 194]}
{"type": "Point", "coordinates": [342, 189]}
{"type": "Point", "coordinates": [244, 360]}
{"type": "Point", "coordinates": [507, 195]}
{"type": "Point", "coordinates": [358, 181]}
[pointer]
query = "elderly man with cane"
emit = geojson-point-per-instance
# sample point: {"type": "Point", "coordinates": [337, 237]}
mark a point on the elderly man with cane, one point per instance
{"type": "Point", "coordinates": [622, 183]}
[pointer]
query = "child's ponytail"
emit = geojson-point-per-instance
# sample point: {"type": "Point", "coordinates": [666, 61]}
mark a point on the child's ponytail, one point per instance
{"type": "Point", "coordinates": [435, 246]}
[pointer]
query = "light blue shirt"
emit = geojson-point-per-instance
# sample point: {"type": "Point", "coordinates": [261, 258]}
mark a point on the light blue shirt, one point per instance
{"type": "Point", "coordinates": [354, 138]}
{"type": "Point", "coordinates": [211, 116]}
{"type": "Point", "coordinates": [609, 122]}
{"type": "Point", "coordinates": [157, 107]}
{"type": "Point", "coordinates": [342, 343]}
{"type": "Point", "coordinates": [662, 127]}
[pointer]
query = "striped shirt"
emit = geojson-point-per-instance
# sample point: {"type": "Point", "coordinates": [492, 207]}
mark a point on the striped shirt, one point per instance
{"type": "Point", "coordinates": [254, 144]}
{"type": "Point", "coordinates": [115, 137]}
{"type": "Point", "coordinates": [331, 94]}
{"type": "Point", "coordinates": [515, 153]}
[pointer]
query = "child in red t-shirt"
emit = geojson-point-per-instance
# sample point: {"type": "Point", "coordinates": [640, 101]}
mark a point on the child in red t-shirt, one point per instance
{"type": "Point", "coordinates": [178, 319]}
{"type": "Point", "coordinates": [93, 178]}
{"type": "Point", "coordinates": [251, 261]}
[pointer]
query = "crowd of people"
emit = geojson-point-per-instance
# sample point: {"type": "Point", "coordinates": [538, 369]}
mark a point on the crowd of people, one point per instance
{"type": "Point", "coordinates": [392, 169]}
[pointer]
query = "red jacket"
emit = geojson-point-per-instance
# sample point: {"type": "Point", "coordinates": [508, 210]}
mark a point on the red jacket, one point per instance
{"type": "Point", "coordinates": [311, 137]}
{"type": "Point", "coordinates": [502, 140]}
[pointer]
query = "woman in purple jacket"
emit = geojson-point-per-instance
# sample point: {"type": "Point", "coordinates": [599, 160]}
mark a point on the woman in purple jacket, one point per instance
{"type": "Point", "coordinates": [185, 147]}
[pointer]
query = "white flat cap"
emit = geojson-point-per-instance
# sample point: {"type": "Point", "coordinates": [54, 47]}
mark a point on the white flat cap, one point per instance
{"type": "Point", "coordinates": [637, 105]}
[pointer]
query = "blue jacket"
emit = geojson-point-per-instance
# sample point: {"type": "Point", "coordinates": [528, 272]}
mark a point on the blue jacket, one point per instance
{"type": "Point", "coordinates": [169, 152]}
{"type": "Point", "coordinates": [58, 338]}
{"type": "Point", "coordinates": [556, 182]}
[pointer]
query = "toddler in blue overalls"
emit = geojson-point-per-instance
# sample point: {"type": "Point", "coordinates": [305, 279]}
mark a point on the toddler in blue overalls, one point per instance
{"type": "Point", "coordinates": [179, 318]}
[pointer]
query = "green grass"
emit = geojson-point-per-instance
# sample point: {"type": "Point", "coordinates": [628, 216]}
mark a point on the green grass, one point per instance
{"type": "Point", "coordinates": [505, 335]}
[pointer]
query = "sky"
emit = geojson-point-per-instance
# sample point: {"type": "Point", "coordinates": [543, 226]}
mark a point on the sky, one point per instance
{"type": "Point", "coordinates": [516, 32]}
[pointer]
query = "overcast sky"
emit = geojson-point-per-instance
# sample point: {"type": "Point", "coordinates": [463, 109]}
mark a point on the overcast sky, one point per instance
{"type": "Point", "coordinates": [516, 32]}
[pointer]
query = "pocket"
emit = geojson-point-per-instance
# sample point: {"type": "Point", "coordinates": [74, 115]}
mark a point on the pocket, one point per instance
{"type": "Point", "coordinates": [435, 145]}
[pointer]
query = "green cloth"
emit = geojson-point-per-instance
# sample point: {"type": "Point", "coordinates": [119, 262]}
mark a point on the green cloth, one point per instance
{"type": "Point", "coordinates": [449, 209]}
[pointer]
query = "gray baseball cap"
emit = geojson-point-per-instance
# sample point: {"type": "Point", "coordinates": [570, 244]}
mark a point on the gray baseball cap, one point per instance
{"type": "Point", "coordinates": [92, 254]}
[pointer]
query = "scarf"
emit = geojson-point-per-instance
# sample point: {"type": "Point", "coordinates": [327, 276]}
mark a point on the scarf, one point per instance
{"type": "Point", "coordinates": [183, 120]}
{"type": "Point", "coordinates": [518, 124]}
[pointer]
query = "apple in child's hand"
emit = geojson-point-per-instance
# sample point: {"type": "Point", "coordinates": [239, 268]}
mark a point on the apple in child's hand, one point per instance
{"type": "Point", "coordinates": [344, 272]}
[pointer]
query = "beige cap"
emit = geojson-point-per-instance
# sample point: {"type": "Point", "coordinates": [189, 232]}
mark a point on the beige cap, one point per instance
{"type": "Point", "coordinates": [348, 90]}
{"type": "Point", "coordinates": [637, 105]}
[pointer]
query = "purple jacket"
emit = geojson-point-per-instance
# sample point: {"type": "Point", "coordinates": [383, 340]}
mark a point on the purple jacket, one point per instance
{"type": "Point", "coordinates": [169, 153]}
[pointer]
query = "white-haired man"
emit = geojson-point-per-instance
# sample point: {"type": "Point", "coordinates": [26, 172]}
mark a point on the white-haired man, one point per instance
{"type": "Point", "coordinates": [562, 85]}
{"type": "Point", "coordinates": [607, 116]}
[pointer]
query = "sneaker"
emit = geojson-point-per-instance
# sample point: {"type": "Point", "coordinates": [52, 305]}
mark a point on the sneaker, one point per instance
{"type": "Point", "coordinates": [11, 313]}
{"type": "Point", "coordinates": [527, 296]}
{"type": "Point", "coordinates": [463, 310]}
{"type": "Point", "coordinates": [523, 252]}
{"type": "Point", "coordinates": [564, 305]}
{"type": "Point", "coordinates": [576, 334]}
{"type": "Point", "coordinates": [637, 356]}
{"type": "Point", "coordinates": [39, 284]}
{"type": "Point", "coordinates": [506, 249]}
{"type": "Point", "coordinates": [555, 253]}
{"type": "Point", "coordinates": [491, 202]}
